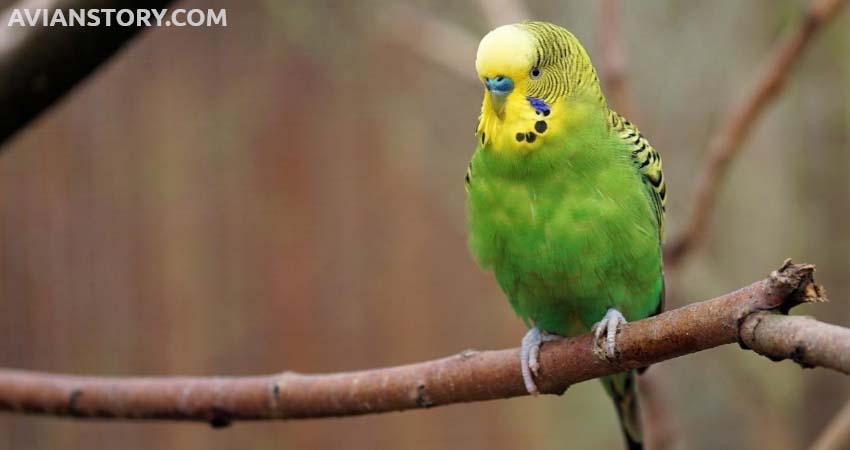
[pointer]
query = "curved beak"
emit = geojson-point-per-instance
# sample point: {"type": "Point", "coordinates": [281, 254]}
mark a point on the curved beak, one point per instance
{"type": "Point", "coordinates": [499, 87]}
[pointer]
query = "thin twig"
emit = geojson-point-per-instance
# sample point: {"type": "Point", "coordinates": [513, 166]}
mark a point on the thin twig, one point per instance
{"type": "Point", "coordinates": [443, 42]}
{"type": "Point", "coordinates": [660, 426]}
{"type": "Point", "coordinates": [613, 60]}
{"type": "Point", "coordinates": [836, 435]}
{"type": "Point", "coordinates": [503, 12]}
{"type": "Point", "coordinates": [469, 376]}
{"type": "Point", "coordinates": [728, 140]}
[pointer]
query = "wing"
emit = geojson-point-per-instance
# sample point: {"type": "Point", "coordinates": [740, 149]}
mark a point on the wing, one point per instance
{"type": "Point", "coordinates": [468, 178]}
{"type": "Point", "coordinates": [648, 162]}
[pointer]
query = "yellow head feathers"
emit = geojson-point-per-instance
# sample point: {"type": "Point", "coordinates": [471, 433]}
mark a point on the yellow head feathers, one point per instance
{"type": "Point", "coordinates": [529, 70]}
{"type": "Point", "coordinates": [508, 50]}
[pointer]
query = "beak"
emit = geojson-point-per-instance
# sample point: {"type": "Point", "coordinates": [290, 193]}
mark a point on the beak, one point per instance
{"type": "Point", "coordinates": [499, 87]}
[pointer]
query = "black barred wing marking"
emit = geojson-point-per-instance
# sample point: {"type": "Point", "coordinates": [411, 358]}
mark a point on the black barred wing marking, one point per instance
{"type": "Point", "coordinates": [648, 162]}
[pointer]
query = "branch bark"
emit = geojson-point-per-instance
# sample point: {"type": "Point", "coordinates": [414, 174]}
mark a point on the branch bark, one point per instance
{"type": "Point", "coordinates": [750, 316]}
{"type": "Point", "coordinates": [38, 65]}
{"type": "Point", "coordinates": [803, 339]}
{"type": "Point", "coordinates": [727, 142]}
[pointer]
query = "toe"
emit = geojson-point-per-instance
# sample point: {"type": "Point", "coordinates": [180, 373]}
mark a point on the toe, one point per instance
{"type": "Point", "coordinates": [605, 332]}
{"type": "Point", "coordinates": [529, 381]}
{"type": "Point", "coordinates": [528, 359]}
{"type": "Point", "coordinates": [533, 363]}
{"type": "Point", "coordinates": [611, 338]}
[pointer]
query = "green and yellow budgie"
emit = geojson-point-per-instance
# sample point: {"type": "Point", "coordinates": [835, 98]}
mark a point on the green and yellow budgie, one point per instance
{"type": "Point", "coordinates": [565, 200]}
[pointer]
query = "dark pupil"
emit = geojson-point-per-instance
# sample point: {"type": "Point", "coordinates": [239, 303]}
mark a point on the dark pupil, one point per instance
{"type": "Point", "coordinates": [535, 72]}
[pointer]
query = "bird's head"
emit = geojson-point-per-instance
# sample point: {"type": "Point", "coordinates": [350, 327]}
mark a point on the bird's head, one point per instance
{"type": "Point", "coordinates": [532, 72]}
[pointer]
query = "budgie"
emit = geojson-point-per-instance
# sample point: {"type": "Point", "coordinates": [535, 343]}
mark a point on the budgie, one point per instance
{"type": "Point", "coordinates": [565, 200]}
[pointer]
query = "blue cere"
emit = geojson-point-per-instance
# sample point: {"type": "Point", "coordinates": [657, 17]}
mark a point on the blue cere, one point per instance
{"type": "Point", "coordinates": [500, 85]}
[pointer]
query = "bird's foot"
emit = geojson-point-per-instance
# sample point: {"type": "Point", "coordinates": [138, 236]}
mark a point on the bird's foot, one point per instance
{"type": "Point", "coordinates": [528, 356]}
{"type": "Point", "coordinates": [604, 345]}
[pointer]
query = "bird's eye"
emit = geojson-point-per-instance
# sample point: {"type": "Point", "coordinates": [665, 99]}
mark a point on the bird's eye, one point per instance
{"type": "Point", "coordinates": [535, 73]}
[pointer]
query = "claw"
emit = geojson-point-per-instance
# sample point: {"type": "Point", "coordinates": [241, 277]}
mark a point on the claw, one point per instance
{"type": "Point", "coordinates": [609, 325]}
{"type": "Point", "coordinates": [529, 356]}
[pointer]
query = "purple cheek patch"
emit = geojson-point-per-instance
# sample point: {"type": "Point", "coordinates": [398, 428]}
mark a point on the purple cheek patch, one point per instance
{"type": "Point", "coordinates": [540, 107]}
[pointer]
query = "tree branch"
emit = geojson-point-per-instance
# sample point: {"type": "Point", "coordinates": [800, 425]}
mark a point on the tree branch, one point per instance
{"type": "Point", "coordinates": [38, 65]}
{"type": "Point", "coordinates": [659, 426]}
{"type": "Point", "coordinates": [503, 12]}
{"type": "Point", "coordinates": [748, 315]}
{"type": "Point", "coordinates": [445, 43]}
{"type": "Point", "coordinates": [442, 42]}
{"type": "Point", "coordinates": [727, 142]}
{"type": "Point", "coordinates": [804, 340]}
{"type": "Point", "coordinates": [613, 60]}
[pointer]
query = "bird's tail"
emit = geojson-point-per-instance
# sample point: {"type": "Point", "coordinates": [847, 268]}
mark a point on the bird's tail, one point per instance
{"type": "Point", "coordinates": [622, 388]}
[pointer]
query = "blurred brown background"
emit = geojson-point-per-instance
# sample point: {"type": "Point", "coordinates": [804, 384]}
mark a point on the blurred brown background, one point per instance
{"type": "Point", "coordinates": [286, 193]}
